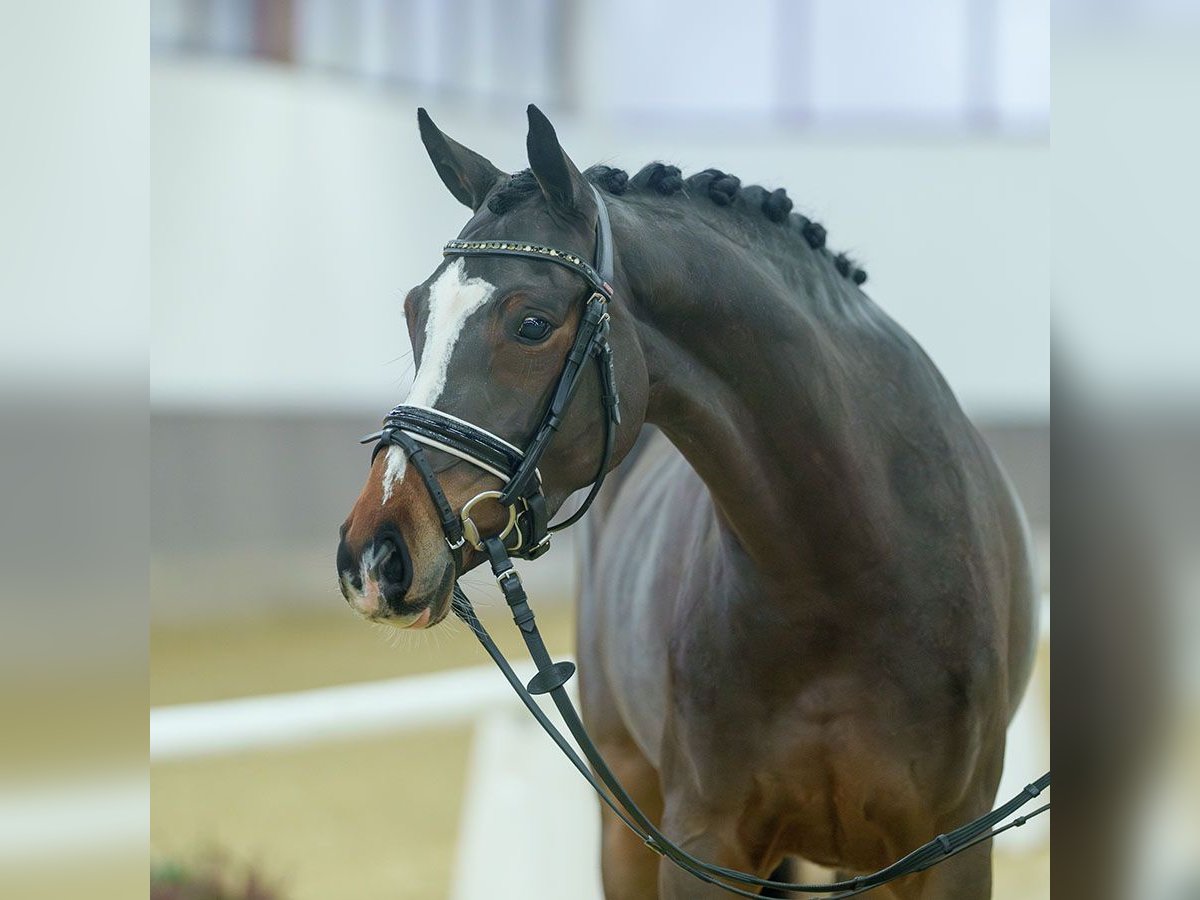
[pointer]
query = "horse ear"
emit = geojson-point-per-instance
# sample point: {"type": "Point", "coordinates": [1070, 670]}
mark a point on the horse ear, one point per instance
{"type": "Point", "coordinates": [561, 183]}
{"type": "Point", "coordinates": [468, 175]}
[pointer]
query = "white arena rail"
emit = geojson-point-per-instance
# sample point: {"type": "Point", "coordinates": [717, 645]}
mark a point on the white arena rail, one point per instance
{"type": "Point", "coordinates": [454, 697]}
{"type": "Point", "coordinates": [74, 820]}
{"type": "Point", "coordinates": [543, 795]}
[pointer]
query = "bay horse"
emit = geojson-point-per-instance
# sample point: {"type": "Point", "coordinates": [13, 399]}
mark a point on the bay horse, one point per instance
{"type": "Point", "coordinates": [806, 605]}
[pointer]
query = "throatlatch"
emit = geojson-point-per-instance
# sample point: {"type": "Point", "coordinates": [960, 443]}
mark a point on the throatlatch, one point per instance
{"type": "Point", "coordinates": [526, 535]}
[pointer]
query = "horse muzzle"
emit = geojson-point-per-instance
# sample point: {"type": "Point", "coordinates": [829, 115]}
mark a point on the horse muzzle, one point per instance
{"type": "Point", "coordinates": [379, 582]}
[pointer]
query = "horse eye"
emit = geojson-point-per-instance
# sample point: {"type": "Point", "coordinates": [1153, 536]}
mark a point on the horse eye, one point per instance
{"type": "Point", "coordinates": [534, 328]}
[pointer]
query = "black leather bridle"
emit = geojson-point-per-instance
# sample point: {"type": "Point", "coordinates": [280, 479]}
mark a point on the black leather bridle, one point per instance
{"type": "Point", "coordinates": [526, 535]}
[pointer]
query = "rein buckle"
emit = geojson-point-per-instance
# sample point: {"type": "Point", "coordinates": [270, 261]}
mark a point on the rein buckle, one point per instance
{"type": "Point", "coordinates": [507, 573]}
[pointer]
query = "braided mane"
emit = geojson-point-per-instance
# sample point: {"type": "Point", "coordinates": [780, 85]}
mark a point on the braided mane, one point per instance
{"type": "Point", "coordinates": [720, 187]}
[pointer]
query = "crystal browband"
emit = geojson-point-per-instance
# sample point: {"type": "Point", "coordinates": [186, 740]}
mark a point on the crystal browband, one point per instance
{"type": "Point", "coordinates": [533, 251]}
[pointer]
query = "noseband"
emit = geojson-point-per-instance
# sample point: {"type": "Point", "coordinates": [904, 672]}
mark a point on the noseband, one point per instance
{"type": "Point", "coordinates": [527, 532]}
{"type": "Point", "coordinates": [526, 535]}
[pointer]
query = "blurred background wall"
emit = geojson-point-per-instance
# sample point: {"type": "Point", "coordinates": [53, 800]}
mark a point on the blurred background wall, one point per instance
{"type": "Point", "coordinates": [293, 205]}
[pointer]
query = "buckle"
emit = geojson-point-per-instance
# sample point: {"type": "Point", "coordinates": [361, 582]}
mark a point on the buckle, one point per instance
{"type": "Point", "coordinates": [505, 574]}
{"type": "Point", "coordinates": [462, 539]}
{"type": "Point", "coordinates": [539, 548]}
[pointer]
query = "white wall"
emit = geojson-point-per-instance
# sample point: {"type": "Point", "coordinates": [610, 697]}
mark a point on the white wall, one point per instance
{"type": "Point", "coordinates": [291, 212]}
{"type": "Point", "coordinates": [1125, 200]}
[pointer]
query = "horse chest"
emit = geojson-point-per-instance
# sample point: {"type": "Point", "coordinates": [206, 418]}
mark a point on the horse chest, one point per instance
{"type": "Point", "coordinates": [656, 590]}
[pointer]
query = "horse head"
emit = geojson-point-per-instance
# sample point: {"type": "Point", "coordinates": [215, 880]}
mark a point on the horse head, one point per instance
{"type": "Point", "coordinates": [491, 335]}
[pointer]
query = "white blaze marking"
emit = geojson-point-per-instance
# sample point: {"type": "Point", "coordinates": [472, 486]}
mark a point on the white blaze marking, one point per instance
{"type": "Point", "coordinates": [393, 472]}
{"type": "Point", "coordinates": [452, 300]}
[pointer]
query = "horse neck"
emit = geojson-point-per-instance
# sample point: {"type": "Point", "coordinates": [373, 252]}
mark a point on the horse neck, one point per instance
{"type": "Point", "coordinates": [748, 379]}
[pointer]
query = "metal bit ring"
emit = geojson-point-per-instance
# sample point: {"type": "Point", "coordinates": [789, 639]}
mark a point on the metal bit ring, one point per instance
{"type": "Point", "coordinates": [471, 530]}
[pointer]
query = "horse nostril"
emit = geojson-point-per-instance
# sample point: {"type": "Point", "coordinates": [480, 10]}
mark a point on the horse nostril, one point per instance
{"type": "Point", "coordinates": [393, 567]}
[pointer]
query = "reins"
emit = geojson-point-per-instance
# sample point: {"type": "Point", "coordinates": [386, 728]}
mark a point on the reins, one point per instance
{"type": "Point", "coordinates": [526, 535]}
{"type": "Point", "coordinates": [552, 677]}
